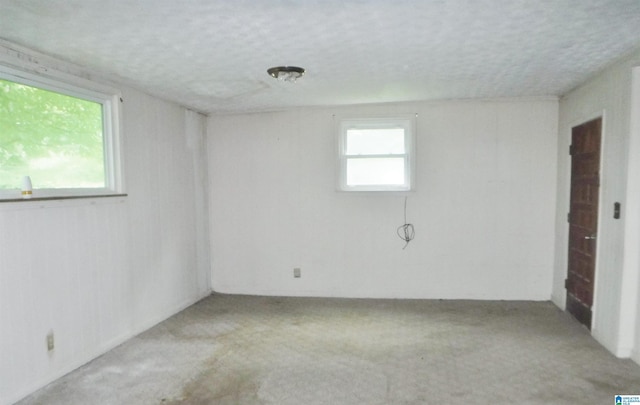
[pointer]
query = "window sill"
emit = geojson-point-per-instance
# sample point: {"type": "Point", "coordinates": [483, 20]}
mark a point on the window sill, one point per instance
{"type": "Point", "coordinates": [71, 197]}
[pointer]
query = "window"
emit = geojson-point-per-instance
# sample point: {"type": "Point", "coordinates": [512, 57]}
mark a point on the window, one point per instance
{"type": "Point", "coordinates": [376, 154]}
{"type": "Point", "coordinates": [62, 136]}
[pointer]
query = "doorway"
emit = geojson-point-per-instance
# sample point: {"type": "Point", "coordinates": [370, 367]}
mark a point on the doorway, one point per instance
{"type": "Point", "coordinates": [583, 218]}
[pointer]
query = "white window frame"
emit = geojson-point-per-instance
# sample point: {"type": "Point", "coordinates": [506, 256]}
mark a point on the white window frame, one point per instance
{"type": "Point", "coordinates": [407, 122]}
{"type": "Point", "coordinates": [109, 98]}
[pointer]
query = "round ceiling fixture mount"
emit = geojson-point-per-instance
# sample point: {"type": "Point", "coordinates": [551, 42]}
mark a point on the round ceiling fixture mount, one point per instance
{"type": "Point", "coordinates": [286, 73]}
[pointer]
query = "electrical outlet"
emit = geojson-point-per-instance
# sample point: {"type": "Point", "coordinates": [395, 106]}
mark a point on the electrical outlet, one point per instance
{"type": "Point", "coordinates": [50, 341]}
{"type": "Point", "coordinates": [296, 272]}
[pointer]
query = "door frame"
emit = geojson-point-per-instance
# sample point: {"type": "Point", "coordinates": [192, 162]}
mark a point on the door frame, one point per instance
{"type": "Point", "coordinates": [629, 336]}
{"type": "Point", "coordinates": [586, 118]}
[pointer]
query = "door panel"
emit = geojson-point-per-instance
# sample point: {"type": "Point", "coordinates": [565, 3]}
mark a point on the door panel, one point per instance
{"type": "Point", "coordinates": [583, 218]}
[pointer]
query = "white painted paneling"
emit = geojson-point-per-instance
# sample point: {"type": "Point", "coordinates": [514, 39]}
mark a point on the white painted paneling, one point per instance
{"type": "Point", "coordinates": [607, 95]}
{"type": "Point", "coordinates": [162, 208]}
{"type": "Point", "coordinates": [483, 207]}
{"type": "Point", "coordinates": [97, 271]}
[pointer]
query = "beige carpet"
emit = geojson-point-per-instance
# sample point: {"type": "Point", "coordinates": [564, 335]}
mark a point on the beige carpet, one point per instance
{"type": "Point", "coordinates": [303, 351]}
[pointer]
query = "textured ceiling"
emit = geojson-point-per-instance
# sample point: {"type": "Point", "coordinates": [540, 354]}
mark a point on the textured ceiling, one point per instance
{"type": "Point", "coordinates": [212, 55]}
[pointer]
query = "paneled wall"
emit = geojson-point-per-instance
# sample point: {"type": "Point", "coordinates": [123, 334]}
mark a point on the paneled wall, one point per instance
{"type": "Point", "coordinates": [483, 208]}
{"type": "Point", "coordinates": [616, 282]}
{"type": "Point", "coordinates": [98, 271]}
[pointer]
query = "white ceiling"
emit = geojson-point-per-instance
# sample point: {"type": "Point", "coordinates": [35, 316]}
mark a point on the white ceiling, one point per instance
{"type": "Point", "coordinates": [212, 55]}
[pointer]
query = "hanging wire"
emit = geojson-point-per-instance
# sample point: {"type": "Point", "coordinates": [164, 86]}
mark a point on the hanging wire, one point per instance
{"type": "Point", "coordinates": [406, 231]}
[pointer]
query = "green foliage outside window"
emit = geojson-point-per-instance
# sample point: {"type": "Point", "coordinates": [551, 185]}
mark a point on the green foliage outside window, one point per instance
{"type": "Point", "coordinates": [54, 138]}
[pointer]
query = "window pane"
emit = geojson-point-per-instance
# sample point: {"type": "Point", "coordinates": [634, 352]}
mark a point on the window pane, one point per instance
{"type": "Point", "coordinates": [375, 171]}
{"type": "Point", "coordinates": [54, 138]}
{"type": "Point", "coordinates": [375, 141]}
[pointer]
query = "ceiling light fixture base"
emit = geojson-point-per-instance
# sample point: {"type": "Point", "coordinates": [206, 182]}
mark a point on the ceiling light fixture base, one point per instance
{"type": "Point", "coordinates": [286, 73]}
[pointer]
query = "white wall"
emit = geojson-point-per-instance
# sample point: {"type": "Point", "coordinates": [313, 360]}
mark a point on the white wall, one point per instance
{"type": "Point", "coordinates": [97, 271]}
{"type": "Point", "coordinates": [631, 264]}
{"type": "Point", "coordinates": [483, 209]}
{"type": "Point", "coordinates": [609, 95]}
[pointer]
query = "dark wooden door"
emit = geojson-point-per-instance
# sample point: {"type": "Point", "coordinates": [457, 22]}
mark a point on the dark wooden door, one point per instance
{"type": "Point", "coordinates": [583, 218]}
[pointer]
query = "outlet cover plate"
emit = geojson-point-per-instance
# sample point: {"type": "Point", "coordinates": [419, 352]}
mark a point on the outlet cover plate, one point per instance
{"type": "Point", "coordinates": [50, 342]}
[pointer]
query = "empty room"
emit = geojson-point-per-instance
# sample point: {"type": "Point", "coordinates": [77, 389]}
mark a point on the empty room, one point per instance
{"type": "Point", "coordinates": [319, 202]}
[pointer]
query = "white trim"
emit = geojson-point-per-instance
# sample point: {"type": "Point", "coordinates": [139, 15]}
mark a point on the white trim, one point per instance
{"type": "Point", "coordinates": [408, 122]}
{"type": "Point", "coordinates": [630, 213]}
{"type": "Point", "coordinates": [601, 171]}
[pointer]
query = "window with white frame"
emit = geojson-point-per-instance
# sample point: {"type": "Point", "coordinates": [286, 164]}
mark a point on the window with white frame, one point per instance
{"type": "Point", "coordinates": [377, 154]}
{"type": "Point", "coordinates": [63, 136]}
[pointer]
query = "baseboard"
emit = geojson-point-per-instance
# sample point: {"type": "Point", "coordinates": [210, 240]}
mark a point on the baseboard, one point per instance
{"type": "Point", "coordinates": [390, 294]}
{"type": "Point", "coordinates": [559, 301]}
{"type": "Point", "coordinates": [624, 352]}
{"type": "Point", "coordinates": [178, 308]}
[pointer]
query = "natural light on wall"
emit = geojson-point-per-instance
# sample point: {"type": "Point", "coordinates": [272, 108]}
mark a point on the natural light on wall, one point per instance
{"type": "Point", "coordinates": [376, 154]}
{"type": "Point", "coordinates": [62, 136]}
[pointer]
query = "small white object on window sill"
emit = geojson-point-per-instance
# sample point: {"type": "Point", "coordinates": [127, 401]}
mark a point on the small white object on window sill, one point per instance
{"type": "Point", "coordinates": [27, 188]}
